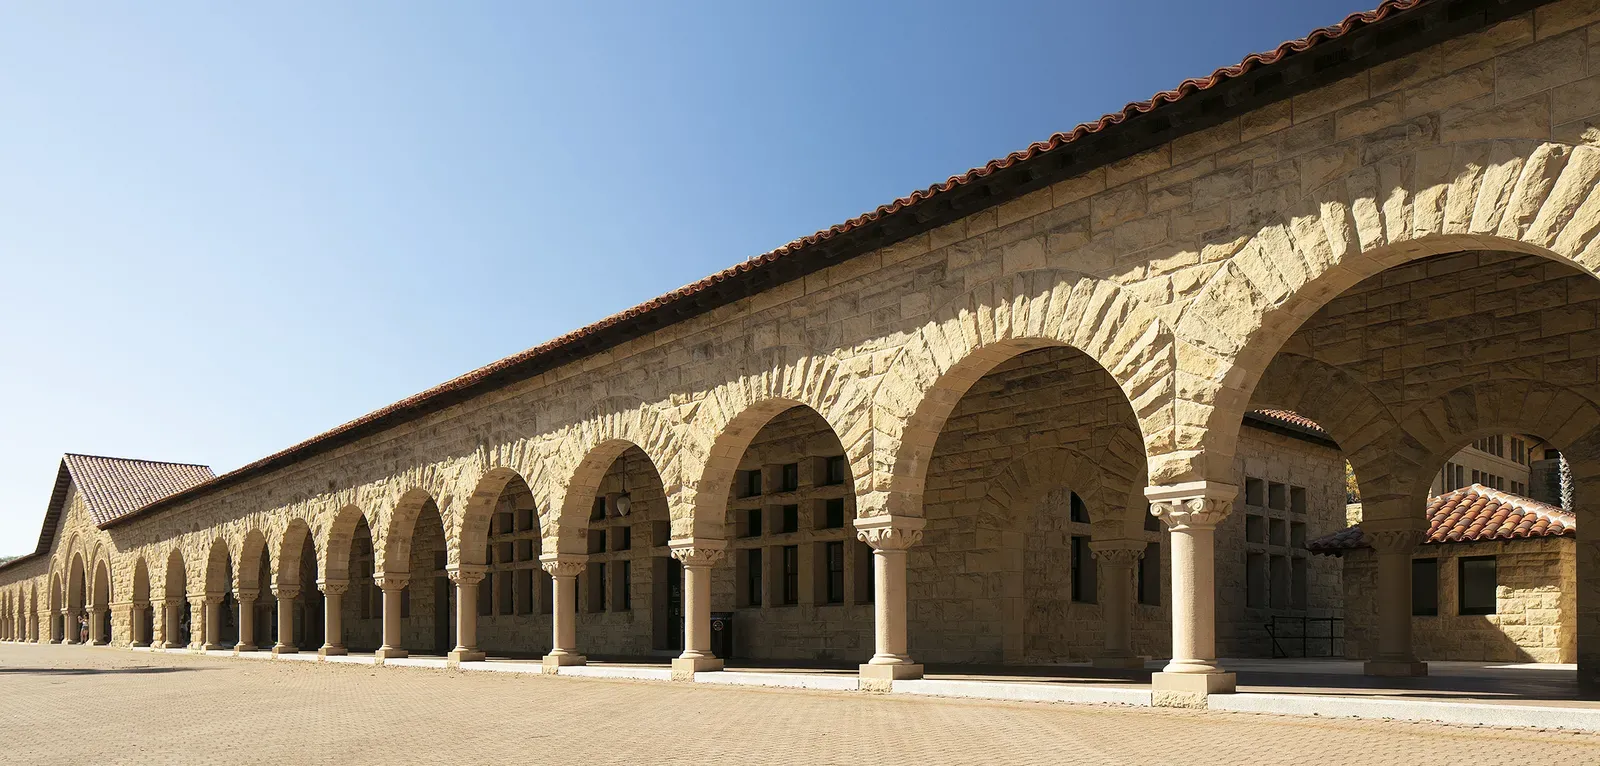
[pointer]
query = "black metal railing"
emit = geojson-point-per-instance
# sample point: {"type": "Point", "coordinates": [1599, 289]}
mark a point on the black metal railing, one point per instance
{"type": "Point", "coordinates": [1310, 636]}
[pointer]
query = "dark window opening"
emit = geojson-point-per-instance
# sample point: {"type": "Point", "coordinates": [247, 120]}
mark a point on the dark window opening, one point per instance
{"type": "Point", "coordinates": [1478, 583]}
{"type": "Point", "coordinates": [1083, 571]}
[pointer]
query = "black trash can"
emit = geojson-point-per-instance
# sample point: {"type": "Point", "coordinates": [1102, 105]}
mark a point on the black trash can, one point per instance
{"type": "Point", "coordinates": [722, 634]}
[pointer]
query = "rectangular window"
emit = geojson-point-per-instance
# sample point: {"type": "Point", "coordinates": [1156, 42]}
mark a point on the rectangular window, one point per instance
{"type": "Point", "coordinates": [546, 596]}
{"type": "Point", "coordinates": [1300, 574]}
{"type": "Point", "coordinates": [750, 483]}
{"type": "Point", "coordinates": [1255, 492]}
{"type": "Point", "coordinates": [525, 520]}
{"type": "Point", "coordinates": [524, 550]}
{"type": "Point", "coordinates": [1255, 528]}
{"type": "Point", "coordinates": [790, 477]}
{"type": "Point", "coordinates": [1297, 535]}
{"type": "Point", "coordinates": [1277, 532]}
{"type": "Point", "coordinates": [791, 519]}
{"type": "Point", "coordinates": [1277, 497]}
{"type": "Point", "coordinates": [752, 523]}
{"type": "Point", "coordinates": [791, 574]}
{"type": "Point", "coordinates": [486, 596]}
{"type": "Point", "coordinates": [597, 587]}
{"type": "Point", "coordinates": [834, 553]}
{"type": "Point", "coordinates": [503, 585]}
{"type": "Point", "coordinates": [622, 539]}
{"type": "Point", "coordinates": [1477, 585]}
{"type": "Point", "coordinates": [866, 592]}
{"type": "Point", "coordinates": [405, 602]}
{"type": "Point", "coordinates": [1083, 580]}
{"type": "Point", "coordinates": [1281, 583]}
{"type": "Point", "coordinates": [597, 541]}
{"type": "Point", "coordinates": [834, 513]}
{"type": "Point", "coordinates": [1425, 587]}
{"type": "Point", "coordinates": [597, 512]}
{"type": "Point", "coordinates": [752, 586]}
{"type": "Point", "coordinates": [1150, 575]}
{"type": "Point", "coordinates": [525, 592]}
{"type": "Point", "coordinates": [1297, 500]}
{"type": "Point", "coordinates": [1255, 580]}
{"type": "Point", "coordinates": [835, 470]}
{"type": "Point", "coordinates": [1461, 476]}
{"type": "Point", "coordinates": [622, 600]}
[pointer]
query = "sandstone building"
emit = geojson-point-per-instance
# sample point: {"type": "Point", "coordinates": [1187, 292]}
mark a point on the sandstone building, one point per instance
{"type": "Point", "coordinates": [1388, 227]}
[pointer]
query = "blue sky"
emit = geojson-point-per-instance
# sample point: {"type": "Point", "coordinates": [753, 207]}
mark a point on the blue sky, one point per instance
{"type": "Point", "coordinates": [224, 229]}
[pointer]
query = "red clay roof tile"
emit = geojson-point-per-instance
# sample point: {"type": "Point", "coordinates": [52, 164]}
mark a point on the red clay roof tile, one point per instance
{"type": "Point", "coordinates": [1471, 514]}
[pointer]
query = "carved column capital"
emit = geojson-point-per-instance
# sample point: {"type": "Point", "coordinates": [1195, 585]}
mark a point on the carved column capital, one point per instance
{"type": "Point", "coordinates": [1118, 553]}
{"type": "Point", "coordinates": [466, 574]}
{"type": "Point", "coordinates": [698, 551]}
{"type": "Point", "coordinates": [247, 594]}
{"type": "Point", "coordinates": [333, 587]}
{"type": "Point", "coordinates": [563, 564]}
{"type": "Point", "coordinates": [171, 601]}
{"type": "Point", "coordinates": [214, 598]}
{"type": "Point", "coordinates": [1396, 541]}
{"type": "Point", "coordinates": [890, 533]}
{"type": "Point", "coordinates": [1192, 505]}
{"type": "Point", "coordinates": [391, 580]}
{"type": "Point", "coordinates": [286, 591]}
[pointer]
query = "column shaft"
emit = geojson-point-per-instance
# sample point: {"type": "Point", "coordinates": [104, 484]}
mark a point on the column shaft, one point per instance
{"type": "Point", "coordinates": [698, 555]}
{"type": "Point", "coordinates": [563, 569]}
{"type": "Point", "coordinates": [890, 538]}
{"type": "Point", "coordinates": [1393, 541]}
{"type": "Point", "coordinates": [393, 586]}
{"type": "Point", "coordinates": [247, 624]}
{"type": "Point", "coordinates": [466, 578]}
{"type": "Point", "coordinates": [285, 644]}
{"type": "Point", "coordinates": [333, 617]}
{"type": "Point", "coordinates": [1192, 512]}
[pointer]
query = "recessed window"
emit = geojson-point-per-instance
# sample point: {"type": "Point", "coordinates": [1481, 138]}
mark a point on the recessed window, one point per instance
{"type": "Point", "coordinates": [1277, 496]}
{"type": "Point", "coordinates": [1255, 492]}
{"type": "Point", "coordinates": [525, 592]}
{"type": "Point", "coordinates": [752, 523]}
{"type": "Point", "coordinates": [597, 512]}
{"type": "Point", "coordinates": [791, 519]}
{"type": "Point", "coordinates": [791, 574]}
{"type": "Point", "coordinates": [1300, 573]}
{"type": "Point", "coordinates": [752, 577]}
{"type": "Point", "coordinates": [1083, 571]}
{"type": "Point", "coordinates": [1150, 575]}
{"type": "Point", "coordinates": [1297, 500]}
{"type": "Point", "coordinates": [1425, 587]}
{"type": "Point", "coordinates": [834, 471]}
{"type": "Point", "coordinates": [750, 483]}
{"type": "Point", "coordinates": [834, 552]}
{"type": "Point", "coordinates": [1478, 583]}
{"type": "Point", "coordinates": [1255, 580]}
{"type": "Point", "coordinates": [622, 539]}
{"type": "Point", "coordinates": [833, 513]}
{"type": "Point", "coordinates": [622, 600]}
{"type": "Point", "coordinates": [790, 477]}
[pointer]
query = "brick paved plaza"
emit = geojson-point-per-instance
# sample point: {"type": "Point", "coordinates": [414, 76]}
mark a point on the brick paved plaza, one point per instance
{"type": "Point", "coordinates": [94, 705]}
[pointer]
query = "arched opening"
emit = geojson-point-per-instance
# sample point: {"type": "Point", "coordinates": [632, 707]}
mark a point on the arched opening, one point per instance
{"type": "Point", "coordinates": [142, 618]}
{"type": "Point", "coordinates": [355, 559]}
{"type": "Point", "coordinates": [1038, 548]}
{"type": "Point", "coordinates": [100, 609]}
{"type": "Point", "coordinates": [796, 582]}
{"type": "Point", "coordinates": [500, 532]}
{"type": "Point", "coordinates": [77, 614]}
{"type": "Point", "coordinates": [297, 573]}
{"type": "Point", "coordinates": [179, 613]}
{"type": "Point", "coordinates": [416, 550]}
{"type": "Point", "coordinates": [33, 614]}
{"type": "Point", "coordinates": [56, 626]}
{"type": "Point", "coordinates": [1444, 382]}
{"type": "Point", "coordinates": [625, 593]}
{"type": "Point", "coordinates": [219, 627]}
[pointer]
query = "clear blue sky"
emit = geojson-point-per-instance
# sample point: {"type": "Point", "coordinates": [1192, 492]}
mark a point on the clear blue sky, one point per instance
{"type": "Point", "coordinates": [224, 229]}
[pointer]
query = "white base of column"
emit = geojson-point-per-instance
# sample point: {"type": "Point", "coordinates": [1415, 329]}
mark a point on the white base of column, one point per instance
{"type": "Point", "coordinates": [329, 650]}
{"type": "Point", "coordinates": [684, 668]}
{"type": "Point", "coordinates": [458, 656]}
{"type": "Point", "coordinates": [881, 678]}
{"type": "Point", "coordinates": [388, 653]}
{"type": "Point", "coordinates": [1120, 663]}
{"type": "Point", "coordinates": [1394, 668]}
{"type": "Point", "coordinates": [554, 661]}
{"type": "Point", "coordinates": [240, 648]}
{"type": "Point", "coordinates": [210, 647]}
{"type": "Point", "coordinates": [284, 649]}
{"type": "Point", "coordinates": [1189, 689]}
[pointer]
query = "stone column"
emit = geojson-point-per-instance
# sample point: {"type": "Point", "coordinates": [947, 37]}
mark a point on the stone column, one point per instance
{"type": "Point", "coordinates": [136, 626]}
{"type": "Point", "coordinates": [466, 577]}
{"type": "Point", "coordinates": [1192, 512]}
{"type": "Point", "coordinates": [392, 585]}
{"type": "Point", "coordinates": [247, 618]}
{"type": "Point", "coordinates": [1117, 559]}
{"type": "Point", "coordinates": [286, 594]}
{"type": "Point", "coordinates": [69, 626]}
{"type": "Point", "coordinates": [333, 617]}
{"type": "Point", "coordinates": [169, 622]}
{"type": "Point", "coordinates": [564, 569]}
{"type": "Point", "coordinates": [890, 538]}
{"type": "Point", "coordinates": [1394, 541]}
{"type": "Point", "coordinates": [213, 622]}
{"type": "Point", "coordinates": [698, 557]}
{"type": "Point", "coordinates": [97, 617]}
{"type": "Point", "coordinates": [198, 624]}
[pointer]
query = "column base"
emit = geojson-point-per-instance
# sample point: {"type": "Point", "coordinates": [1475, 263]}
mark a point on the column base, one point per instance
{"type": "Point", "coordinates": [282, 649]}
{"type": "Point", "coordinates": [210, 647]}
{"type": "Point", "coordinates": [1189, 689]}
{"type": "Point", "coordinates": [329, 650]}
{"type": "Point", "coordinates": [684, 668]}
{"type": "Point", "coordinates": [554, 662]}
{"type": "Point", "coordinates": [242, 648]}
{"type": "Point", "coordinates": [389, 653]}
{"type": "Point", "coordinates": [881, 678]}
{"type": "Point", "coordinates": [1394, 668]}
{"type": "Point", "coordinates": [138, 645]}
{"type": "Point", "coordinates": [458, 656]}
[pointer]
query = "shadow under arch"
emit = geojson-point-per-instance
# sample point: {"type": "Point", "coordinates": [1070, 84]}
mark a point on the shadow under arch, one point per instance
{"type": "Point", "coordinates": [472, 535]}
{"type": "Point", "coordinates": [992, 324]}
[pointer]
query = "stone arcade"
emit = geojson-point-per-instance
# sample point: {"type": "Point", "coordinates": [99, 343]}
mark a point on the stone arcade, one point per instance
{"type": "Point", "coordinates": [899, 440]}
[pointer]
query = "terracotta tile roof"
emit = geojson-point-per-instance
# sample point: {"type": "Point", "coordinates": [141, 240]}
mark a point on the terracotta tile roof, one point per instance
{"type": "Point", "coordinates": [779, 266]}
{"type": "Point", "coordinates": [1471, 514]}
{"type": "Point", "coordinates": [114, 486]}
{"type": "Point", "coordinates": [1291, 418]}
{"type": "Point", "coordinates": [1292, 424]}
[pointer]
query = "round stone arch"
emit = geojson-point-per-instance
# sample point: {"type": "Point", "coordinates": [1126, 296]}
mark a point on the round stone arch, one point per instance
{"type": "Point", "coordinates": [338, 535]}
{"type": "Point", "coordinates": [247, 564]}
{"type": "Point", "coordinates": [482, 491]}
{"type": "Point", "coordinates": [289, 546]}
{"type": "Point", "coordinates": [175, 574]}
{"type": "Point", "coordinates": [392, 542]}
{"type": "Point", "coordinates": [1105, 485]}
{"type": "Point", "coordinates": [990, 324]}
{"type": "Point", "coordinates": [727, 420]}
{"type": "Point", "coordinates": [219, 555]}
{"type": "Point", "coordinates": [583, 454]}
{"type": "Point", "coordinates": [102, 566]}
{"type": "Point", "coordinates": [77, 582]}
{"type": "Point", "coordinates": [1527, 197]}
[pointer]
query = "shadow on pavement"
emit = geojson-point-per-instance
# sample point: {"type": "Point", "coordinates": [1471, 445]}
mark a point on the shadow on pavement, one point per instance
{"type": "Point", "coordinates": [93, 671]}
